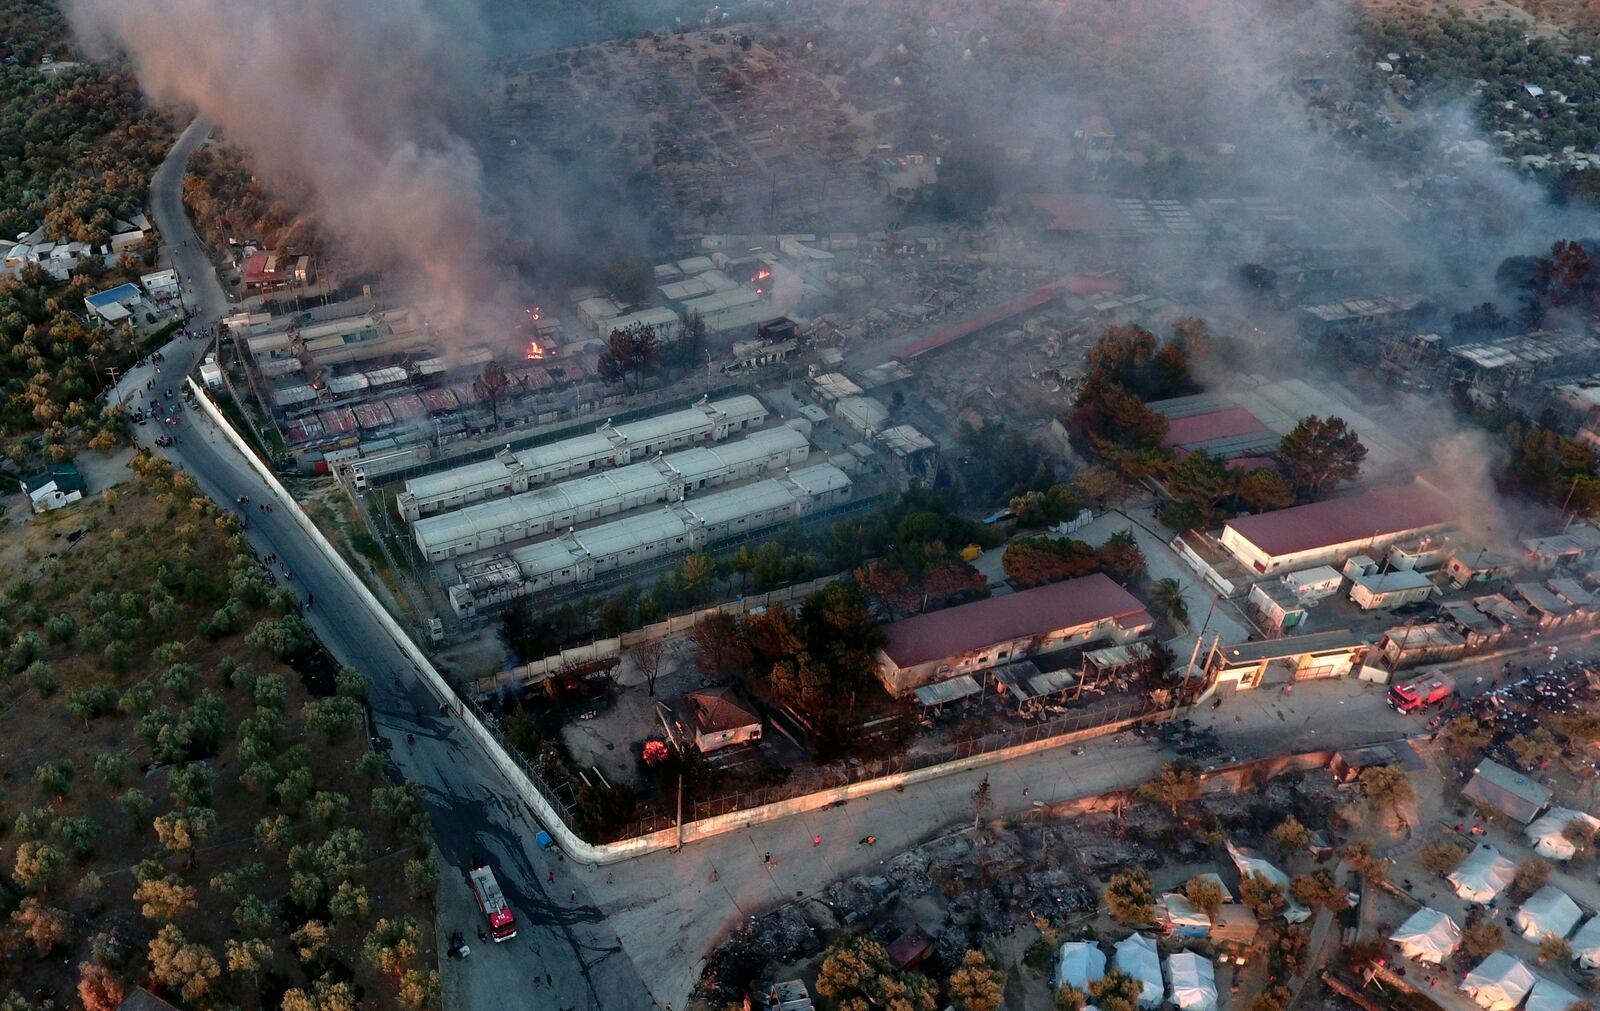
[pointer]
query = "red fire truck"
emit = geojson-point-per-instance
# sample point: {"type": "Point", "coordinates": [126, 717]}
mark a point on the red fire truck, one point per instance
{"type": "Point", "coordinates": [1420, 693]}
{"type": "Point", "coordinates": [502, 924]}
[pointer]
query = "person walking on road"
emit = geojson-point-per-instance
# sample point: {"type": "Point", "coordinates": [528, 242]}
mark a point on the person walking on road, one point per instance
{"type": "Point", "coordinates": [550, 877]}
{"type": "Point", "coordinates": [816, 841]}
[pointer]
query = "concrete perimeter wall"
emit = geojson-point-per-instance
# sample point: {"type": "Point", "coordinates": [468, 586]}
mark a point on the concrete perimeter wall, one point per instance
{"type": "Point", "coordinates": [531, 795]}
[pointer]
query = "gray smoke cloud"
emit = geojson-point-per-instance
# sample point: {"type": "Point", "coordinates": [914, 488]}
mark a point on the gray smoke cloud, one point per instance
{"type": "Point", "coordinates": [350, 106]}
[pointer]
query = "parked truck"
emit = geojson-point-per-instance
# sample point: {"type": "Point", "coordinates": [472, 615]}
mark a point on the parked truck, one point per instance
{"type": "Point", "coordinates": [1420, 693]}
{"type": "Point", "coordinates": [492, 903]}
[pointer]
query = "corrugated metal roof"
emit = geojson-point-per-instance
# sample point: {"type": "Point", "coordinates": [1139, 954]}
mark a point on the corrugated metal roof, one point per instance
{"type": "Point", "coordinates": [967, 627]}
{"type": "Point", "coordinates": [1382, 512]}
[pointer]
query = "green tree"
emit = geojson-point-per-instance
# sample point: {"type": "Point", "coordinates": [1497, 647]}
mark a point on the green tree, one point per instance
{"type": "Point", "coordinates": [1318, 889]}
{"type": "Point", "coordinates": [1291, 836]}
{"type": "Point", "coordinates": [1264, 897]}
{"type": "Point", "coordinates": [1441, 856]}
{"type": "Point", "coordinates": [1322, 454]}
{"type": "Point", "coordinates": [1130, 897]}
{"type": "Point", "coordinates": [1388, 790]}
{"type": "Point", "coordinates": [1535, 748]}
{"type": "Point", "coordinates": [392, 944]}
{"type": "Point", "coordinates": [335, 718]}
{"type": "Point", "coordinates": [37, 865]}
{"type": "Point", "coordinates": [1464, 737]}
{"type": "Point", "coordinates": [1176, 786]}
{"type": "Point", "coordinates": [1116, 991]}
{"type": "Point", "coordinates": [1482, 939]}
{"type": "Point", "coordinates": [630, 278]}
{"type": "Point", "coordinates": [1168, 597]}
{"type": "Point", "coordinates": [1205, 895]}
{"type": "Point", "coordinates": [976, 985]}
{"type": "Point", "coordinates": [1263, 489]}
{"type": "Point", "coordinates": [188, 967]}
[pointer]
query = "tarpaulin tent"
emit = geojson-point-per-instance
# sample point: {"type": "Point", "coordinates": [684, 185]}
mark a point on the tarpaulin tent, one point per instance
{"type": "Point", "coordinates": [1483, 875]}
{"type": "Point", "coordinates": [1427, 936]}
{"type": "Point", "coordinates": [1079, 964]}
{"type": "Point", "coordinates": [1136, 955]}
{"type": "Point", "coordinates": [1180, 916]}
{"type": "Point", "coordinates": [1250, 862]}
{"type": "Point", "coordinates": [1194, 982]}
{"type": "Point", "coordinates": [1586, 944]}
{"type": "Point", "coordinates": [1546, 836]}
{"type": "Point", "coordinates": [1548, 996]}
{"type": "Point", "coordinates": [1498, 983]}
{"type": "Point", "coordinates": [1549, 912]}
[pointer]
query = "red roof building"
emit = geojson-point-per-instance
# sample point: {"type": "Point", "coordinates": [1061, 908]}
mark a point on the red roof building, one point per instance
{"type": "Point", "coordinates": [1199, 430]}
{"type": "Point", "coordinates": [1331, 531]}
{"type": "Point", "coordinates": [264, 272]}
{"type": "Point", "coordinates": [989, 633]}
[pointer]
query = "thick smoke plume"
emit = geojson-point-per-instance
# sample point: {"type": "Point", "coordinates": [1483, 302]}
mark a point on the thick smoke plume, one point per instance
{"type": "Point", "coordinates": [348, 104]}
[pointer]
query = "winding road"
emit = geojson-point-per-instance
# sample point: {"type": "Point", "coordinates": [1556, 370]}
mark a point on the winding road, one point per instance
{"type": "Point", "coordinates": [563, 935]}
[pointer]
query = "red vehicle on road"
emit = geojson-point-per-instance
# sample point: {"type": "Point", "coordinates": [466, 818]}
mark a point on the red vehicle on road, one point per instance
{"type": "Point", "coordinates": [502, 924]}
{"type": "Point", "coordinates": [1420, 693]}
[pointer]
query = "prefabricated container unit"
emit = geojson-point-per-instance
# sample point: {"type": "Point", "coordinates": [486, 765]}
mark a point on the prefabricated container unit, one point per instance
{"type": "Point", "coordinates": [1314, 584]}
{"type": "Point", "coordinates": [1357, 566]}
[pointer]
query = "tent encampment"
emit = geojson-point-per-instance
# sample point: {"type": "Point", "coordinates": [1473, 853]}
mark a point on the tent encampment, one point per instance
{"type": "Point", "coordinates": [1483, 875]}
{"type": "Point", "coordinates": [1194, 982]}
{"type": "Point", "coordinates": [1250, 862]}
{"type": "Point", "coordinates": [1427, 936]}
{"type": "Point", "coordinates": [1498, 983]}
{"type": "Point", "coordinates": [1136, 955]}
{"type": "Point", "coordinates": [1586, 944]}
{"type": "Point", "coordinates": [1180, 916]}
{"type": "Point", "coordinates": [1549, 912]}
{"type": "Point", "coordinates": [1079, 964]}
{"type": "Point", "coordinates": [1546, 834]}
{"type": "Point", "coordinates": [1548, 996]}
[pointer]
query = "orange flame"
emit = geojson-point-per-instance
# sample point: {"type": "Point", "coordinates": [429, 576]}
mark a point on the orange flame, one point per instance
{"type": "Point", "coordinates": [535, 351]}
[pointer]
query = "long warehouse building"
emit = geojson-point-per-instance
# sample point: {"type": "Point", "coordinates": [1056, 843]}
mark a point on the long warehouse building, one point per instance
{"type": "Point", "coordinates": [663, 479]}
{"type": "Point", "coordinates": [509, 473]}
{"type": "Point", "coordinates": [580, 556]}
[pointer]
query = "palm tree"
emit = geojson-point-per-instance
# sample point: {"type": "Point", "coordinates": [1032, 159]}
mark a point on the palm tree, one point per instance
{"type": "Point", "coordinates": [1167, 595]}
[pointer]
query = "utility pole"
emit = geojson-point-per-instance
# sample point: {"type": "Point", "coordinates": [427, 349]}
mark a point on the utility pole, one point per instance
{"type": "Point", "coordinates": [1195, 655]}
{"type": "Point", "coordinates": [680, 811]}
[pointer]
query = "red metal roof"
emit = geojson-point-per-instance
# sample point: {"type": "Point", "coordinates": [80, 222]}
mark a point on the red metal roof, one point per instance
{"type": "Point", "coordinates": [1080, 284]}
{"type": "Point", "coordinates": [1245, 464]}
{"type": "Point", "coordinates": [968, 627]}
{"type": "Point", "coordinates": [1381, 512]}
{"type": "Point", "coordinates": [338, 421]}
{"type": "Point", "coordinates": [1201, 428]}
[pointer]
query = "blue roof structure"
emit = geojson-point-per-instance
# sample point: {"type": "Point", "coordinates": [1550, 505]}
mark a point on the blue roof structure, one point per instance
{"type": "Point", "coordinates": [120, 293]}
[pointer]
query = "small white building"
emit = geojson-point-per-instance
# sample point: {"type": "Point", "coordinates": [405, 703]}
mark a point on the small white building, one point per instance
{"type": "Point", "coordinates": [1390, 589]}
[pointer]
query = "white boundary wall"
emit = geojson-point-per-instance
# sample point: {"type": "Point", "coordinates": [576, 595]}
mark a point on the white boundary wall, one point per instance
{"type": "Point", "coordinates": [568, 840]}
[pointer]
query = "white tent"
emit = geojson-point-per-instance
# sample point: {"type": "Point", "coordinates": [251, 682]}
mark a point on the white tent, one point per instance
{"type": "Point", "coordinates": [1549, 912]}
{"type": "Point", "coordinates": [1181, 917]}
{"type": "Point", "coordinates": [1498, 983]}
{"type": "Point", "coordinates": [1194, 982]}
{"type": "Point", "coordinates": [1544, 835]}
{"type": "Point", "coordinates": [1216, 879]}
{"type": "Point", "coordinates": [1136, 955]}
{"type": "Point", "coordinates": [1586, 944]}
{"type": "Point", "coordinates": [1483, 875]}
{"type": "Point", "coordinates": [1079, 964]}
{"type": "Point", "coordinates": [1427, 936]}
{"type": "Point", "coordinates": [1250, 862]}
{"type": "Point", "coordinates": [1547, 996]}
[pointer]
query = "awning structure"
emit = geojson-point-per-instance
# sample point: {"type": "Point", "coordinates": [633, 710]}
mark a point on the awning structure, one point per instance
{"type": "Point", "coordinates": [947, 691]}
{"type": "Point", "coordinates": [1137, 956]}
{"type": "Point", "coordinates": [1427, 936]}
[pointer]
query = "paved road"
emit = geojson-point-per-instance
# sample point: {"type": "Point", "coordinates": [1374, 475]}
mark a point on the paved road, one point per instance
{"type": "Point", "coordinates": [473, 806]}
